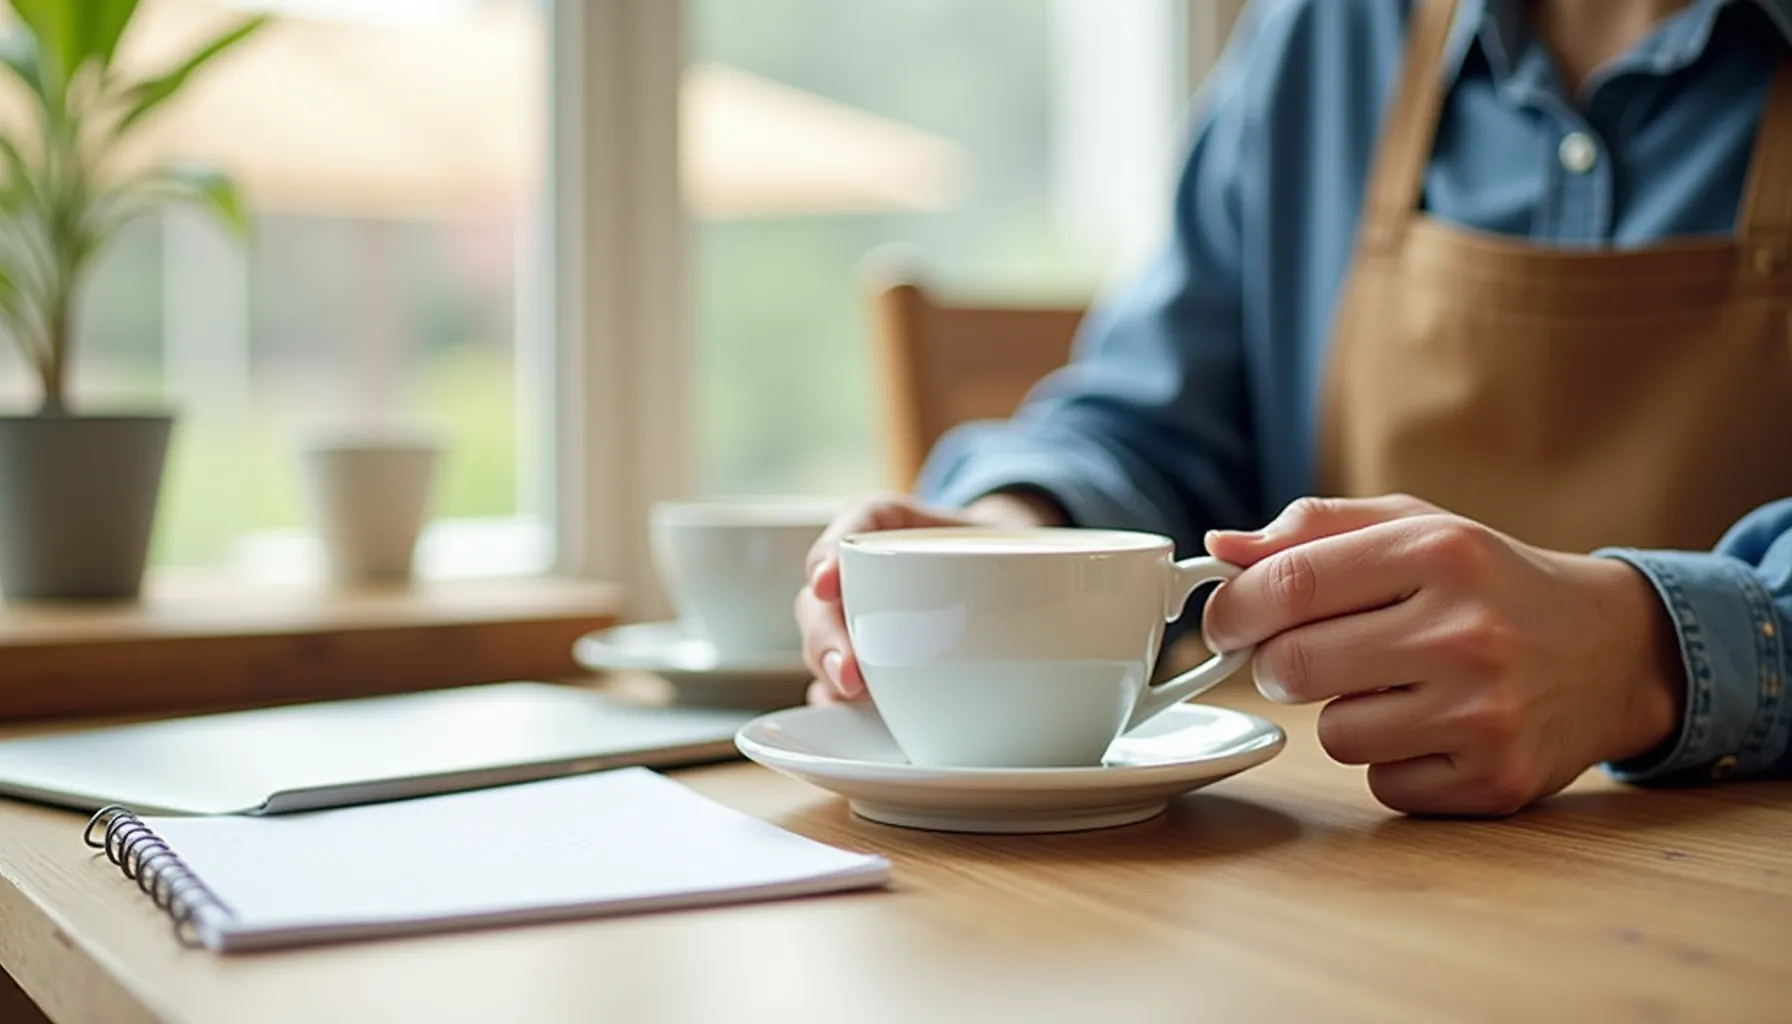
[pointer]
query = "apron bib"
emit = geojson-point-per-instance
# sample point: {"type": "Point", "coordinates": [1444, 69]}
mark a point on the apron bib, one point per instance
{"type": "Point", "coordinates": [1572, 399]}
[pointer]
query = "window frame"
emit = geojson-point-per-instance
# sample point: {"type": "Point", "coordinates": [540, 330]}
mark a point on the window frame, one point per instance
{"type": "Point", "coordinates": [617, 305]}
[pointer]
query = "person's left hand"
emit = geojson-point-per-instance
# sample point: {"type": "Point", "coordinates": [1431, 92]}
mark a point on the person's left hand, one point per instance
{"type": "Point", "coordinates": [1474, 674]}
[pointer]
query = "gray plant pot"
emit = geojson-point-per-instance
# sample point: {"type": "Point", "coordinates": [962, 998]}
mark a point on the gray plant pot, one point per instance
{"type": "Point", "coordinates": [77, 503]}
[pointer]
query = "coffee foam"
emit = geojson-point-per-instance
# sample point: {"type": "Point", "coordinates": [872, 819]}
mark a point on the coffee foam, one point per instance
{"type": "Point", "coordinates": [975, 541]}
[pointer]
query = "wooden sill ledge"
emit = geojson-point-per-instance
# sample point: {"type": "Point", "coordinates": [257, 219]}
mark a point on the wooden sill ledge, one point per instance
{"type": "Point", "coordinates": [195, 643]}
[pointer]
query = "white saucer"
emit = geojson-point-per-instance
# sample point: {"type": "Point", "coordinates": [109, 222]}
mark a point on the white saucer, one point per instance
{"type": "Point", "coordinates": [844, 748]}
{"type": "Point", "coordinates": [697, 672]}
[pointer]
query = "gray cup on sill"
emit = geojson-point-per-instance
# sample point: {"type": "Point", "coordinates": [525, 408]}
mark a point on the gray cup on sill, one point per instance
{"type": "Point", "coordinates": [369, 495]}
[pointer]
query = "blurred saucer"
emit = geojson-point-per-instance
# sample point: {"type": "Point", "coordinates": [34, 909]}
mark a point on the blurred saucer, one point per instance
{"type": "Point", "coordinates": [845, 748]}
{"type": "Point", "coordinates": [696, 671]}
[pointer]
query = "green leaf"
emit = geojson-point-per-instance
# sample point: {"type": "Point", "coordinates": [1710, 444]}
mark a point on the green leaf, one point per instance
{"type": "Point", "coordinates": [19, 185]}
{"type": "Point", "coordinates": [106, 23]}
{"type": "Point", "coordinates": [60, 42]}
{"type": "Point", "coordinates": [144, 97]}
{"type": "Point", "coordinates": [13, 315]}
{"type": "Point", "coordinates": [214, 192]}
{"type": "Point", "coordinates": [210, 190]}
{"type": "Point", "coordinates": [9, 290]}
{"type": "Point", "coordinates": [12, 305]}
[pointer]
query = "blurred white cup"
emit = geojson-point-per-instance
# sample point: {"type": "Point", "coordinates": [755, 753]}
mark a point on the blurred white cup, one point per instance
{"type": "Point", "coordinates": [369, 494]}
{"type": "Point", "coordinates": [732, 569]}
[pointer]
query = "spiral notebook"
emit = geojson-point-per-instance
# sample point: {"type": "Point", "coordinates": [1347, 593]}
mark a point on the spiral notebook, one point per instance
{"type": "Point", "coordinates": [620, 841]}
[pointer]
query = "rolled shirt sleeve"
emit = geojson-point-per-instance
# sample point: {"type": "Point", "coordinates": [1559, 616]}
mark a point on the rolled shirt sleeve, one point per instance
{"type": "Point", "coordinates": [1731, 608]}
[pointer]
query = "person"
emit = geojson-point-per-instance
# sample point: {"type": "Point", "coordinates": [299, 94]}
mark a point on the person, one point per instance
{"type": "Point", "coordinates": [1472, 343]}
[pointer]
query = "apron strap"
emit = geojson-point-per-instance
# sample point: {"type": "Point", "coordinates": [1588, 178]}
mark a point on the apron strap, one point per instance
{"type": "Point", "coordinates": [1765, 221]}
{"type": "Point", "coordinates": [1397, 174]}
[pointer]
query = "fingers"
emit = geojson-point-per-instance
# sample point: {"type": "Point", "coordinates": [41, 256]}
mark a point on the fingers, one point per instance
{"type": "Point", "coordinates": [1415, 786]}
{"type": "Point", "coordinates": [1400, 724]}
{"type": "Point", "coordinates": [824, 579]}
{"type": "Point", "coordinates": [1310, 519]}
{"type": "Point", "coordinates": [1317, 580]}
{"type": "Point", "coordinates": [1442, 784]}
{"type": "Point", "coordinates": [1469, 773]}
{"type": "Point", "coordinates": [1355, 654]}
{"type": "Point", "coordinates": [827, 651]}
{"type": "Point", "coordinates": [1372, 567]}
{"type": "Point", "coordinates": [821, 692]}
{"type": "Point", "coordinates": [827, 648]}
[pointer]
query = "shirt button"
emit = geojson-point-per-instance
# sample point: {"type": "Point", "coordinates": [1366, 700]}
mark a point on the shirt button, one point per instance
{"type": "Point", "coordinates": [1724, 767]}
{"type": "Point", "coordinates": [1578, 153]}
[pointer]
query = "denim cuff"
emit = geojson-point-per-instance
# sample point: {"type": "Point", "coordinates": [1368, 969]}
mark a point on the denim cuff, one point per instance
{"type": "Point", "coordinates": [1735, 657]}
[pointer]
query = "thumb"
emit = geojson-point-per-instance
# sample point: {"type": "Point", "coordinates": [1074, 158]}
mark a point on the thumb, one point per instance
{"type": "Point", "coordinates": [1310, 519]}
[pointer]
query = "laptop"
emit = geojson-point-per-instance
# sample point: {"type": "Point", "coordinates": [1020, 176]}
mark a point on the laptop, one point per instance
{"type": "Point", "coordinates": [366, 750]}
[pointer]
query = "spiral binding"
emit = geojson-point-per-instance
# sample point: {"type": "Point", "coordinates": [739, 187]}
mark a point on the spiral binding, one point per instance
{"type": "Point", "coordinates": [157, 870]}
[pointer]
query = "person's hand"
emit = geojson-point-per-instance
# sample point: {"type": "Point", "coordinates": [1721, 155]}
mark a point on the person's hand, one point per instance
{"type": "Point", "coordinates": [826, 648]}
{"type": "Point", "coordinates": [1472, 673]}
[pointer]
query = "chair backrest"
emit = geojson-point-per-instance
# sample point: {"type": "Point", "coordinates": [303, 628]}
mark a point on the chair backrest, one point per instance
{"type": "Point", "coordinates": [946, 363]}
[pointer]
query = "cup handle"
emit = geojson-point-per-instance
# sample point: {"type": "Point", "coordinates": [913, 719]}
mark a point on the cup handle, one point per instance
{"type": "Point", "coordinates": [1186, 575]}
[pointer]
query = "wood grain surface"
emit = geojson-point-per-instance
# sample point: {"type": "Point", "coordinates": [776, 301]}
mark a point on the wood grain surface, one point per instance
{"type": "Point", "coordinates": [205, 644]}
{"type": "Point", "coordinates": [1284, 894]}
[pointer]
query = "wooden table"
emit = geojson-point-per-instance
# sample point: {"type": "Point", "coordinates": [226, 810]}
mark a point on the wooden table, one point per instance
{"type": "Point", "coordinates": [200, 642]}
{"type": "Point", "coordinates": [1285, 894]}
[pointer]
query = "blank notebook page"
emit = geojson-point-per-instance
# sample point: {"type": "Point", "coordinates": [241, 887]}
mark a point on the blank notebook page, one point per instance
{"type": "Point", "coordinates": [603, 843]}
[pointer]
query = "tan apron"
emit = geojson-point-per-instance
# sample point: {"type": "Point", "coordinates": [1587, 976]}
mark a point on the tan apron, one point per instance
{"type": "Point", "coordinates": [1570, 398]}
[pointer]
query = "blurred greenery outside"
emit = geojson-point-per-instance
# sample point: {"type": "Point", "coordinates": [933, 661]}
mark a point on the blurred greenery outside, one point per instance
{"type": "Point", "coordinates": [784, 400]}
{"type": "Point", "coordinates": [784, 395]}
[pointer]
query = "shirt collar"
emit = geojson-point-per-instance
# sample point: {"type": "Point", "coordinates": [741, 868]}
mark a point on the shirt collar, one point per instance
{"type": "Point", "coordinates": [1498, 27]}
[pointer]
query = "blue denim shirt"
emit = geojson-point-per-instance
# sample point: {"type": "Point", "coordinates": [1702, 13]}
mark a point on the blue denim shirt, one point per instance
{"type": "Point", "coordinates": [1191, 401]}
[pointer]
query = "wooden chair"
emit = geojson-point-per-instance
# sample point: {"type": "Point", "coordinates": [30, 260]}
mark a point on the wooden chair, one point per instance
{"type": "Point", "coordinates": [948, 363]}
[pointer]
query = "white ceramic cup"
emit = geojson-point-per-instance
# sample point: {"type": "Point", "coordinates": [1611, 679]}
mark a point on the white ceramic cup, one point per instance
{"type": "Point", "coordinates": [369, 495]}
{"type": "Point", "coordinates": [732, 569]}
{"type": "Point", "coordinates": [1010, 649]}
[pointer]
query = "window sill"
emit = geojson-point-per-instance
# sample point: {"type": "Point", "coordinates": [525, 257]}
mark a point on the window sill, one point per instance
{"type": "Point", "coordinates": [198, 641]}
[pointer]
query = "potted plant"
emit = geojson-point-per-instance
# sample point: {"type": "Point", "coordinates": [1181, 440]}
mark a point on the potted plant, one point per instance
{"type": "Point", "coordinates": [77, 492]}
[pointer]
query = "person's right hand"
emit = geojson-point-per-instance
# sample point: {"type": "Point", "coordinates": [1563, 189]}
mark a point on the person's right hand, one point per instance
{"type": "Point", "coordinates": [826, 647]}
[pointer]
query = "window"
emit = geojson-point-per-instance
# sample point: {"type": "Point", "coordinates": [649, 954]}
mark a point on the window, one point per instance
{"type": "Point", "coordinates": [466, 217]}
{"type": "Point", "coordinates": [391, 155]}
{"type": "Point", "coordinates": [1019, 147]}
